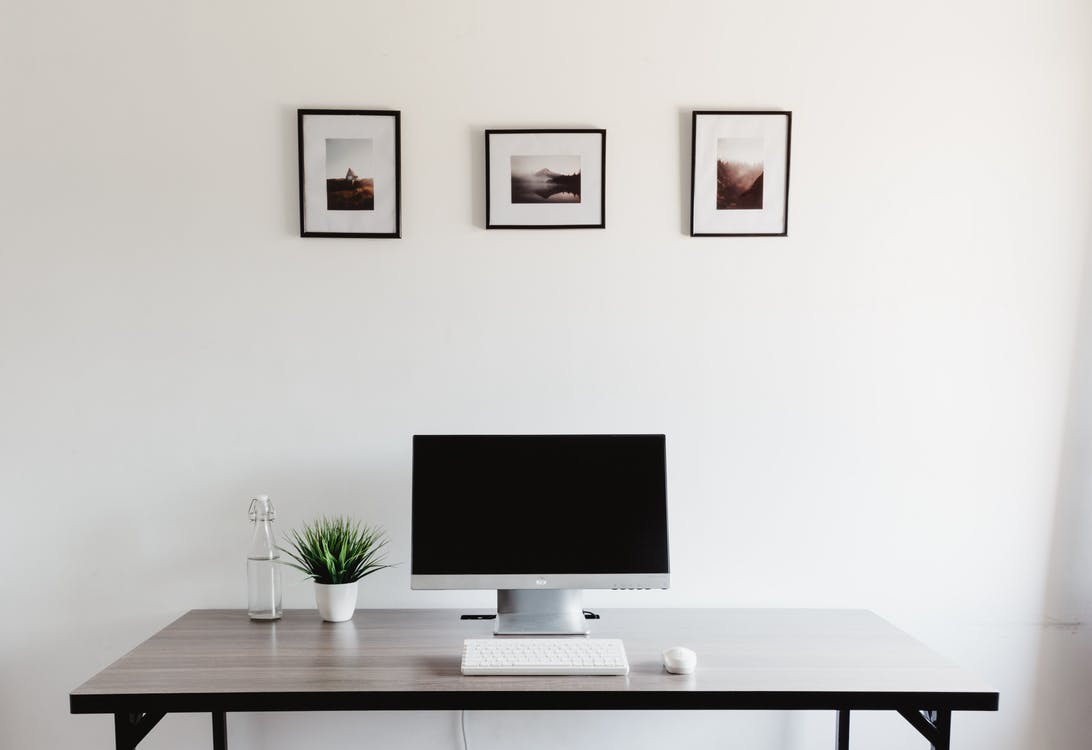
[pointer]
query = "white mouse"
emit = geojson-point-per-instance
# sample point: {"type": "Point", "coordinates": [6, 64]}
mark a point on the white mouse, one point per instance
{"type": "Point", "coordinates": [680, 660]}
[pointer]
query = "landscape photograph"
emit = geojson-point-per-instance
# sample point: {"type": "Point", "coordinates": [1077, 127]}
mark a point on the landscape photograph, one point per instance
{"type": "Point", "coordinates": [347, 159]}
{"type": "Point", "coordinates": [545, 179]}
{"type": "Point", "coordinates": [739, 173]}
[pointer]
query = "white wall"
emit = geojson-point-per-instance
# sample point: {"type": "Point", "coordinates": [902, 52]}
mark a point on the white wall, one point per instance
{"type": "Point", "coordinates": [1063, 698]}
{"type": "Point", "coordinates": [869, 413]}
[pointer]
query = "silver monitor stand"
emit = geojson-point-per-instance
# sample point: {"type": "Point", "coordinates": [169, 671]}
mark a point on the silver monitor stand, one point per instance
{"type": "Point", "coordinates": [540, 612]}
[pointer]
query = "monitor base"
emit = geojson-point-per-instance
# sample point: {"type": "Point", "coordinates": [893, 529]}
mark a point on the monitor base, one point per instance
{"type": "Point", "coordinates": [540, 612]}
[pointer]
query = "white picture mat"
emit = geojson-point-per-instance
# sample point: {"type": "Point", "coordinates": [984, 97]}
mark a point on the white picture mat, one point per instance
{"type": "Point", "coordinates": [588, 146]}
{"type": "Point", "coordinates": [708, 130]}
{"type": "Point", "coordinates": [381, 129]}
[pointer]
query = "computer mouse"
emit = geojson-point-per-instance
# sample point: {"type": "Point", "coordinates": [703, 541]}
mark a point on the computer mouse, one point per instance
{"type": "Point", "coordinates": [680, 660]}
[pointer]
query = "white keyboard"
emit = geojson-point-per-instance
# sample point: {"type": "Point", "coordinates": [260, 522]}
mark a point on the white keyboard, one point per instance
{"type": "Point", "coordinates": [541, 656]}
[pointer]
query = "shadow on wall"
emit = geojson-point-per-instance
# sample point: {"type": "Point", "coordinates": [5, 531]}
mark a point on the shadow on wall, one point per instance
{"type": "Point", "coordinates": [290, 172]}
{"type": "Point", "coordinates": [1062, 713]}
{"type": "Point", "coordinates": [686, 156]}
{"type": "Point", "coordinates": [476, 138]}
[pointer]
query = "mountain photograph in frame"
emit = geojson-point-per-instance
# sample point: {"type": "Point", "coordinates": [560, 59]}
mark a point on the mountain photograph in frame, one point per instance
{"type": "Point", "coordinates": [545, 179]}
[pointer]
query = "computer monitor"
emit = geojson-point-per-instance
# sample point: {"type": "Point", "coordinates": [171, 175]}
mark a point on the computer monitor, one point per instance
{"type": "Point", "coordinates": [539, 518]}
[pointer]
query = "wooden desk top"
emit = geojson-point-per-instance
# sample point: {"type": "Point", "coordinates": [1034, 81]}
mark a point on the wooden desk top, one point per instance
{"type": "Point", "coordinates": [219, 660]}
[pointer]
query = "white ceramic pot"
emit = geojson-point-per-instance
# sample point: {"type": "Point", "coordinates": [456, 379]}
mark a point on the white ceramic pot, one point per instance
{"type": "Point", "coordinates": [336, 601]}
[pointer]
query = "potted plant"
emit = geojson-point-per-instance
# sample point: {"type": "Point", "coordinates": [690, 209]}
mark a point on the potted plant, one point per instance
{"type": "Point", "coordinates": [336, 553]}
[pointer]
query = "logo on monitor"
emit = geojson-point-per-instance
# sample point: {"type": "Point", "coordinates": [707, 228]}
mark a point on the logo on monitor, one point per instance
{"type": "Point", "coordinates": [540, 581]}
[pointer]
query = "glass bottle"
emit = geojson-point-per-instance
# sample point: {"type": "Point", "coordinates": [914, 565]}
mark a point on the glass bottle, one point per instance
{"type": "Point", "coordinates": [263, 570]}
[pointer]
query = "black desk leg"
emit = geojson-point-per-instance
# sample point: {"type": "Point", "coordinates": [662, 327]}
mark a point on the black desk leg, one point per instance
{"type": "Point", "coordinates": [942, 720]}
{"type": "Point", "coordinates": [843, 730]}
{"type": "Point", "coordinates": [219, 730]}
{"type": "Point", "coordinates": [131, 728]}
{"type": "Point", "coordinates": [935, 726]}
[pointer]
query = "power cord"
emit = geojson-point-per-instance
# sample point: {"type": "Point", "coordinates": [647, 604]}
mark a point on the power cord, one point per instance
{"type": "Point", "coordinates": [588, 615]}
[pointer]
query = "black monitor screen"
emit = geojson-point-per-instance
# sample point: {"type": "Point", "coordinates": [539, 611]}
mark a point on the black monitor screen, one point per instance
{"type": "Point", "coordinates": [501, 504]}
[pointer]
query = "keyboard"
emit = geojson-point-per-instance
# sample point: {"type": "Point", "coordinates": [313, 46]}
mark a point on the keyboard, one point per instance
{"type": "Point", "coordinates": [543, 656]}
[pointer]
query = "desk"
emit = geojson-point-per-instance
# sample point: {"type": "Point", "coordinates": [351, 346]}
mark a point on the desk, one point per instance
{"type": "Point", "coordinates": [218, 661]}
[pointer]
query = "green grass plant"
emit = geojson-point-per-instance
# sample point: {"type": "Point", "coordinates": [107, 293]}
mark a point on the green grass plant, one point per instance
{"type": "Point", "coordinates": [336, 550]}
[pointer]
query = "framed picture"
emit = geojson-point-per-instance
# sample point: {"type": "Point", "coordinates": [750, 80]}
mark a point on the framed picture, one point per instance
{"type": "Point", "coordinates": [545, 179]}
{"type": "Point", "coordinates": [350, 173]}
{"type": "Point", "coordinates": [740, 174]}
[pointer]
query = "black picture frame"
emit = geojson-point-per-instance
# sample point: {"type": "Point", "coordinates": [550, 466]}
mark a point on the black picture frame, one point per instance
{"type": "Point", "coordinates": [373, 125]}
{"type": "Point", "coordinates": [711, 209]}
{"type": "Point", "coordinates": [501, 212]}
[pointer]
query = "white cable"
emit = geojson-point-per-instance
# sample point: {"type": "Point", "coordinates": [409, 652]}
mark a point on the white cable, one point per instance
{"type": "Point", "coordinates": [462, 727]}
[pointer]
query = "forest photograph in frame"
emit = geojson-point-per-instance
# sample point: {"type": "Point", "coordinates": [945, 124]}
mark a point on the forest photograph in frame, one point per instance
{"type": "Point", "coordinates": [740, 174]}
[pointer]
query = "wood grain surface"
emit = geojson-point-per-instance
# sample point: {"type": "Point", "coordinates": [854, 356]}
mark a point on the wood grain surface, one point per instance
{"type": "Point", "coordinates": [409, 659]}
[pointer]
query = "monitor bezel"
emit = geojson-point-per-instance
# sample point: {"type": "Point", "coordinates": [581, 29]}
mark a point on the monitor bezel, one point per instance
{"type": "Point", "coordinates": [440, 581]}
{"type": "Point", "coordinates": [546, 579]}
